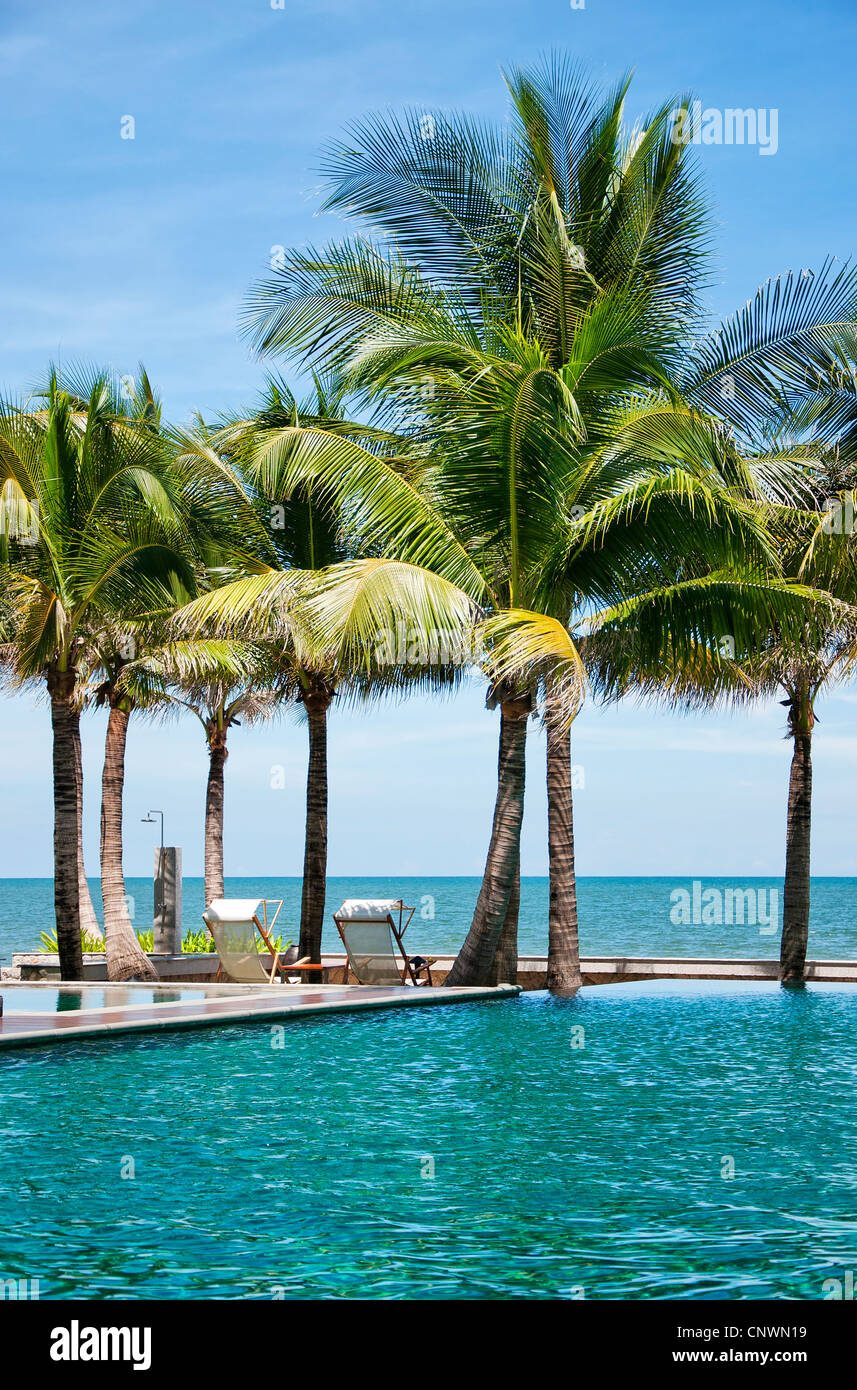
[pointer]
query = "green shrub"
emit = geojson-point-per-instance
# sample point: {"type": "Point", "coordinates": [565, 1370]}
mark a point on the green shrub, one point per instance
{"type": "Point", "coordinates": [201, 941]}
{"type": "Point", "coordinates": [197, 942]}
{"type": "Point", "coordinates": [89, 944]}
{"type": "Point", "coordinates": [193, 942]}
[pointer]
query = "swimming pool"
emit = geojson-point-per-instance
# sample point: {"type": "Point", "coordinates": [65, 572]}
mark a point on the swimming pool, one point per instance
{"type": "Point", "coordinates": [697, 1140]}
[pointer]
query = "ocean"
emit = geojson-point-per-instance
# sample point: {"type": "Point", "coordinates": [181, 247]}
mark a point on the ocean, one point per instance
{"type": "Point", "coordinates": [618, 916]}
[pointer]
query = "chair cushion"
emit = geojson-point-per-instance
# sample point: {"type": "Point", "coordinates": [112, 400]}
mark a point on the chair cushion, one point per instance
{"type": "Point", "coordinates": [232, 909]}
{"type": "Point", "coordinates": [369, 909]}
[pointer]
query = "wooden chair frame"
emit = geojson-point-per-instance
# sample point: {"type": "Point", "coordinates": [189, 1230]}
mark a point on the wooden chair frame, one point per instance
{"type": "Point", "coordinates": [277, 964]}
{"type": "Point", "coordinates": [407, 968]}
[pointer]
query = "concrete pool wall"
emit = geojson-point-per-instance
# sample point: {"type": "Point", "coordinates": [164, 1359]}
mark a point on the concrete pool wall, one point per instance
{"type": "Point", "coordinates": [532, 970]}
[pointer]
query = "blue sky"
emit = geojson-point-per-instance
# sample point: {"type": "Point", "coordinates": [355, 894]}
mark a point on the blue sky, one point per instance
{"type": "Point", "coordinates": [119, 250]}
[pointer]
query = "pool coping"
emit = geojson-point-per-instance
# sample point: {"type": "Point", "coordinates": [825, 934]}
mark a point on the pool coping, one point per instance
{"type": "Point", "coordinates": [304, 1001]}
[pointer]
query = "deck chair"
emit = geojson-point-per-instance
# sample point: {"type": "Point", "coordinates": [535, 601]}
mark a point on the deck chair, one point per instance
{"type": "Point", "coordinates": [371, 932]}
{"type": "Point", "coordinates": [235, 925]}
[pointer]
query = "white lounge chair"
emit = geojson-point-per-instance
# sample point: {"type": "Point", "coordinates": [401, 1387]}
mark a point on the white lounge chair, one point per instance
{"type": "Point", "coordinates": [235, 925]}
{"type": "Point", "coordinates": [371, 932]}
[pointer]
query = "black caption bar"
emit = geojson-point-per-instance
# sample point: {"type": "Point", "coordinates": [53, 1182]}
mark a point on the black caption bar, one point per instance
{"type": "Point", "coordinates": [64, 1338]}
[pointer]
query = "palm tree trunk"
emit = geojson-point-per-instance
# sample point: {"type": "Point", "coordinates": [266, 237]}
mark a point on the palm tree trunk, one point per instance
{"type": "Point", "coordinates": [563, 945]}
{"type": "Point", "coordinates": [796, 890]}
{"type": "Point", "coordinates": [64, 726]}
{"type": "Point", "coordinates": [126, 959]}
{"type": "Point", "coordinates": [474, 962]}
{"type": "Point", "coordinates": [217, 755]}
{"type": "Point", "coordinates": [88, 919]}
{"type": "Point", "coordinates": [504, 971]}
{"type": "Point", "coordinates": [314, 888]}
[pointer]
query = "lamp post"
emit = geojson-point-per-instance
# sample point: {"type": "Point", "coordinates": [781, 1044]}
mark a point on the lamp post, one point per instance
{"type": "Point", "coordinates": [167, 923]}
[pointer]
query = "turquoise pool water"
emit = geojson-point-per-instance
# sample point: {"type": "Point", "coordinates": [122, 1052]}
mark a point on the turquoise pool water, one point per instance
{"type": "Point", "coordinates": [468, 1152]}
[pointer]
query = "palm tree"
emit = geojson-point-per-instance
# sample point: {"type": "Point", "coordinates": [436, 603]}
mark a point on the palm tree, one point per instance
{"type": "Point", "coordinates": [538, 223]}
{"type": "Point", "coordinates": [88, 919]}
{"type": "Point", "coordinates": [224, 685]}
{"type": "Point", "coordinates": [781, 373]}
{"type": "Point", "coordinates": [305, 535]}
{"type": "Point", "coordinates": [827, 658]}
{"type": "Point", "coordinates": [530, 220]}
{"type": "Point", "coordinates": [796, 649]}
{"type": "Point", "coordinates": [298, 536]}
{"type": "Point", "coordinates": [206, 494]}
{"type": "Point", "coordinates": [97, 490]}
{"type": "Point", "coordinates": [490, 492]}
{"type": "Point", "coordinates": [126, 960]}
{"type": "Point", "coordinates": [797, 653]}
{"type": "Point", "coordinates": [12, 508]}
{"type": "Point", "coordinates": [566, 481]}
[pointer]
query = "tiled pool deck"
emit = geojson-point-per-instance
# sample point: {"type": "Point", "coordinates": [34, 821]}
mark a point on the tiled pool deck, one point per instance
{"type": "Point", "coordinates": [217, 1004]}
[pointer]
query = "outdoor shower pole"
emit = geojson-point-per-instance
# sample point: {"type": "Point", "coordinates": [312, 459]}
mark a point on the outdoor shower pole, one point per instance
{"type": "Point", "coordinates": [167, 924]}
